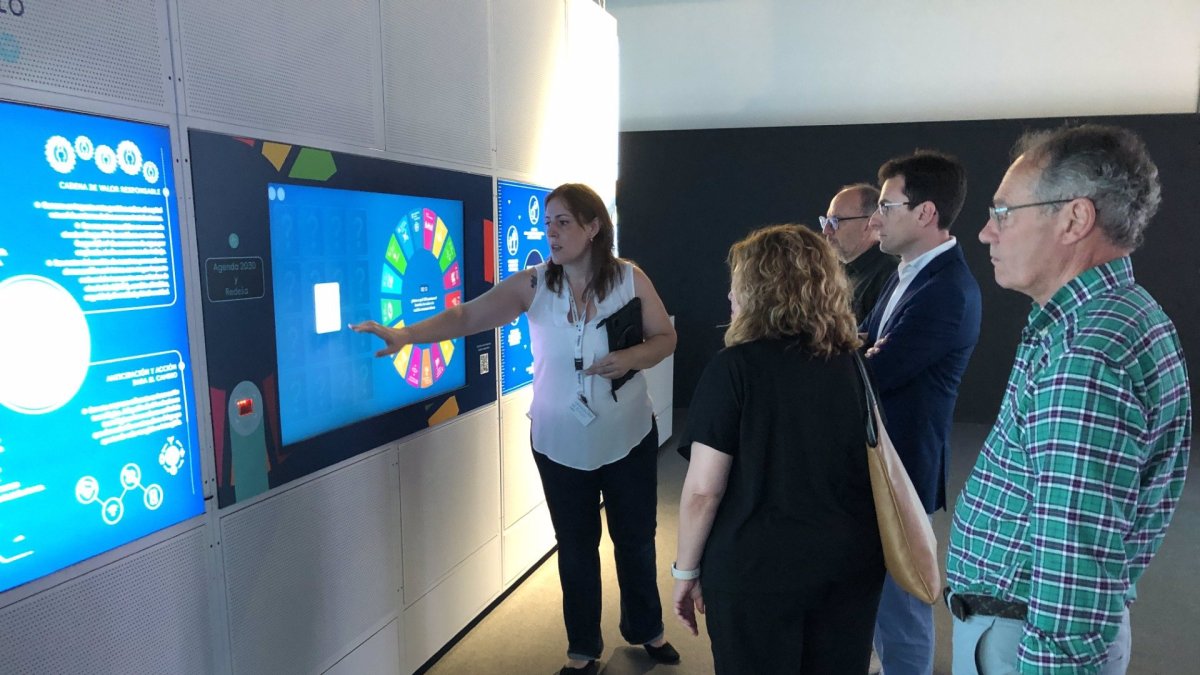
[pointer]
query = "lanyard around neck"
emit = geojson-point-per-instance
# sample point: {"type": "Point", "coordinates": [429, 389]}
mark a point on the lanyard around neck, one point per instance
{"type": "Point", "coordinates": [580, 325]}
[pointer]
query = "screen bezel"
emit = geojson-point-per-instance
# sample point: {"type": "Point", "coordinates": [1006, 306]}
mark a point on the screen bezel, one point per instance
{"type": "Point", "coordinates": [230, 176]}
{"type": "Point", "coordinates": [287, 372]}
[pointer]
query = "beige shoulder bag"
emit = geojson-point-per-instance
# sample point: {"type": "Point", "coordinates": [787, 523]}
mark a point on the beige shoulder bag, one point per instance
{"type": "Point", "coordinates": [909, 546]}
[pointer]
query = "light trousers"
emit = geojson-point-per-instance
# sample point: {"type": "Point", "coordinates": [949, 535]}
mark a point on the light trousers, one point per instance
{"type": "Point", "coordinates": [987, 645]}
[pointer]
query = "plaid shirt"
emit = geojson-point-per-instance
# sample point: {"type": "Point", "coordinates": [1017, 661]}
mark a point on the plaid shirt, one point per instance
{"type": "Point", "coordinates": [1078, 479]}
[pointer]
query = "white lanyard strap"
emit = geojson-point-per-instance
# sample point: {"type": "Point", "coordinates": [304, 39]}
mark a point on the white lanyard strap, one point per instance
{"type": "Point", "coordinates": [580, 325]}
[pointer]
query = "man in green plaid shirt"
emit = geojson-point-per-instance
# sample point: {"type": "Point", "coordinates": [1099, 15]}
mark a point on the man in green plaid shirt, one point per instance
{"type": "Point", "coordinates": [1078, 479]}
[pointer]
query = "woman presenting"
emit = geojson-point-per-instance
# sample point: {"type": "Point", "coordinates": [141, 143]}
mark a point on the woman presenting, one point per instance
{"type": "Point", "coordinates": [588, 439]}
{"type": "Point", "coordinates": [776, 519]}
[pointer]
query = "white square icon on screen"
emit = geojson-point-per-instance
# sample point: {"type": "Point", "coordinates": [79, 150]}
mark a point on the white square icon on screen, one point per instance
{"type": "Point", "coordinates": [327, 303]}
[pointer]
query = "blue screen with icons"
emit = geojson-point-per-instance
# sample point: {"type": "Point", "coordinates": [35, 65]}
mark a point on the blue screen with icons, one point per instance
{"type": "Point", "coordinates": [344, 256]}
{"type": "Point", "coordinates": [522, 244]}
{"type": "Point", "coordinates": [98, 440]}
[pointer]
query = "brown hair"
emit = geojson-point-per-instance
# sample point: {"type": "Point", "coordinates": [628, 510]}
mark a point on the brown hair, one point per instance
{"type": "Point", "coordinates": [930, 176]}
{"type": "Point", "coordinates": [586, 205]}
{"type": "Point", "coordinates": [788, 282]}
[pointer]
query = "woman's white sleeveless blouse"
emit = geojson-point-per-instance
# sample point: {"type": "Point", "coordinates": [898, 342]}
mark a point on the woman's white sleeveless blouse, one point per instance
{"type": "Point", "coordinates": [557, 433]}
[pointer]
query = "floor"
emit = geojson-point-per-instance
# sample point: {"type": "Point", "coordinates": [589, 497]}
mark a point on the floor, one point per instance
{"type": "Point", "coordinates": [524, 632]}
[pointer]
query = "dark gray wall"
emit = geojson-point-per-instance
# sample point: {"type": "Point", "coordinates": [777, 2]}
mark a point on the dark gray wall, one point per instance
{"type": "Point", "coordinates": [685, 196]}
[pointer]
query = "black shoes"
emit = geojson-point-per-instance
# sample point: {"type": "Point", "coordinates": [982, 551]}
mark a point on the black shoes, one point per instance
{"type": "Point", "coordinates": [664, 654]}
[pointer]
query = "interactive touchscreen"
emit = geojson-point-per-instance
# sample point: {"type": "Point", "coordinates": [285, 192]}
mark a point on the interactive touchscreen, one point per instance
{"type": "Point", "coordinates": [342, 256]}
{"type": "Point", "coordinates": [522, 243]}
{"type": "Point", "coordinates": [294, 243]}
{"type": "Point", "coordinates": [98, 445]}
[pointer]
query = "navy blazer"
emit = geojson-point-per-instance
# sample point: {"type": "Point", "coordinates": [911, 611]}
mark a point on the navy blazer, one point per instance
{"type": "Point", "coordinates": [930, 337]}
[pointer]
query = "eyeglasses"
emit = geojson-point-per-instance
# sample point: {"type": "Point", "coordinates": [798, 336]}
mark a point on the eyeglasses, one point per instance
{"type": "Point", "coordinates": [834, 222]}
{"type": "Point", "coordinates": [1000, 213]}
{"type": "Point", "coordinates": [884, 207]}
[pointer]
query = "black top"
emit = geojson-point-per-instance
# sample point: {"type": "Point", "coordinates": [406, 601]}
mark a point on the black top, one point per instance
{"type": "Point", "coordinates": [868, 273]}
{"type": "Point", "coordinates": [797, 511]}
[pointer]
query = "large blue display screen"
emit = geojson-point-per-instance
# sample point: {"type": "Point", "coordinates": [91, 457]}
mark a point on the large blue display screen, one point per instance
{"type": "Point", "coordinates": [342, 256]}
{"type": "Point", "coordinates": [98, 442]}
{"type": "Point", "coordinates": [522, 243]}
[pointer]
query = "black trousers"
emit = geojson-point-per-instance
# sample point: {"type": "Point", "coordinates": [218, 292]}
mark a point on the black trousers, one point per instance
{"type": "Point", "coordinates": [630, 489]}
{"type": "Point", "coordinates": [780, 632]}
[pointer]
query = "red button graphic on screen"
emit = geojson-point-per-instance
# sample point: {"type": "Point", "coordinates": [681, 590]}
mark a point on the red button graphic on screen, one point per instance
{"type": "Point", "coordinates": [245, 406]}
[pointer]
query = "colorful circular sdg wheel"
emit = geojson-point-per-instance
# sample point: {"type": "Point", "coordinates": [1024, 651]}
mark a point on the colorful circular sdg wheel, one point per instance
{"type": "Point", "coordinates": [421, 276]}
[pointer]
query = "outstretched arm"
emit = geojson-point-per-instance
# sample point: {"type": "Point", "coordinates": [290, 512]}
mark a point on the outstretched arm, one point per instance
{"type": "Point", "coordinates": [500, 305]}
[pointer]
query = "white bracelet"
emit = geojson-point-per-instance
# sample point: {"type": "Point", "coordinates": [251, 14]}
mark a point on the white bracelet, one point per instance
{"type": "Point", "coordinates": [684, 575]}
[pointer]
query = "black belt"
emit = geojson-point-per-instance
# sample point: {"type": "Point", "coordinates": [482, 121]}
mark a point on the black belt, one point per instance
{"type": "Point", "coordinates": [963, 605]}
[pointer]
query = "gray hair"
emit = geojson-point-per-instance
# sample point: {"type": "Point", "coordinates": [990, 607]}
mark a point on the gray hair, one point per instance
{"type": "Point", "coordinates": [1108, 165]}
{"type": "Point", "coordinates": [868, 196]}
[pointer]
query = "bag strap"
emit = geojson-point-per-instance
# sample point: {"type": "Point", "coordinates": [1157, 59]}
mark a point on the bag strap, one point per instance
{"type": "Point", "coordinates": [869, 392]}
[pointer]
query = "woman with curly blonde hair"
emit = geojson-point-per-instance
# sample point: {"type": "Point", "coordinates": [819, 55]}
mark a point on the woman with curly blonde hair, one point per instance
{"type": "Point", "coordinates": [776, 519]}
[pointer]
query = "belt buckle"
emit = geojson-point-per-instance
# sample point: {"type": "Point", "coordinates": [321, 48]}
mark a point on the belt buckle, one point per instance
{"type": "Point", "coordinates": [958, 606]}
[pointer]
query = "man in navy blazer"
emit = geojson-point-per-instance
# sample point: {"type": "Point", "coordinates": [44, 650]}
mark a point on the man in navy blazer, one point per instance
{"type": "Point", "coordinates": [919, 338]}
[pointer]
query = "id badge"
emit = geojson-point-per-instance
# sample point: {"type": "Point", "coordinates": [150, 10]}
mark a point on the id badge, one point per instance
{"type": "Point", "coordinates": [582, 413]}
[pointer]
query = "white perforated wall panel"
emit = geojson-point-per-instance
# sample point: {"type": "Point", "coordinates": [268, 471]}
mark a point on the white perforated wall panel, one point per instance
{"type": "Point", "coordinates": [527, 40]}
{"type": "Point", "coordinates": [379, 655]}
{"type": "Point", "coordinates": [276, 65]}
{"type": "Point", "coordinates": [522, 487]}
{"type": "Point", "coordinates": [310, 572]}
{"type": "Point", "coordinates": [110, 51]}
{"type": "Point", "coordinates": [440, 614]}
{"type": "Point", "coordinates": [449, 499]}
{"type": "Point", "coordinates": [526, 542]}
{"type": "Point", "coordinates": [147, 613]}
{"type": "Point", "coordinates": [436, 79]}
